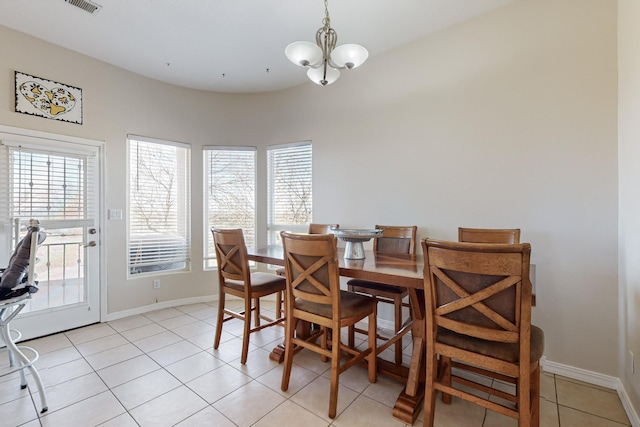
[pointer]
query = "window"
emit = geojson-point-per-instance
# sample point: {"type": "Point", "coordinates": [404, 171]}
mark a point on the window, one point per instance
{"type": "Point", "coordinates": [289, 188]}
{"type": "Point", "coordinates": [47, 184]}
{"type": "Point", "coordinates": [230, 194]}
{"type": "Point", "coordinates": [159, 203]}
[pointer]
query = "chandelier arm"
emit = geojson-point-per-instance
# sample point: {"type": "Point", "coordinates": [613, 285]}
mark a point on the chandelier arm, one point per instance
{"type": "Point", "coordinates": [326, 39]}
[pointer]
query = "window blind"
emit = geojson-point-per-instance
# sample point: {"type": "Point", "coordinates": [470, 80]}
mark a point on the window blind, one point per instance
{"type": "Point", "coordinates": [289, 172]}
{"type": "Point", "coordinates": [48, 183]}
{"type": "Point", "coordinates": [159, 205]}
{"type": "Point", "coordinates": [230, 193]}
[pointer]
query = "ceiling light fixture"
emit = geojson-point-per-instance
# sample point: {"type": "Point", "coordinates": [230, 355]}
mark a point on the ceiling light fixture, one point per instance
{"type": "Point", "coordinates": [323, 58]}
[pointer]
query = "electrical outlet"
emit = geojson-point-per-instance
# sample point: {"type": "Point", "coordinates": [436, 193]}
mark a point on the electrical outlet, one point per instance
{"type": "Point", "coordinates": [156, 284]}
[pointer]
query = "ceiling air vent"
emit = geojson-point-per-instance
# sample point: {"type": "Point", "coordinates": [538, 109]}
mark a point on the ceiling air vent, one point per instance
{"type": "Point", "coordinates": [86, 5]}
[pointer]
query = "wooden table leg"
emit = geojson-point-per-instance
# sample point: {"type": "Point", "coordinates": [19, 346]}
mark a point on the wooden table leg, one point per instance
{"type": "Point", "coordinates": [409, 402]}
{"type": "Point", "coordinates": [303, 330]}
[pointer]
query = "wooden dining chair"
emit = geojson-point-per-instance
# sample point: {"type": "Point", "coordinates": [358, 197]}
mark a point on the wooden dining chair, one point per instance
{"type": "Point", "coordinates": [314, 296]}
{"type": "Point", "coordinates": [489, 235]}
{"type": "Point", "coordinates": [478, 313]}
{"type": "Point", "coordinates": [314, 228]}
{"type": "Point", "coordinates": [235, 278]}
{"type": "Point", "coordinates": [394, 240]}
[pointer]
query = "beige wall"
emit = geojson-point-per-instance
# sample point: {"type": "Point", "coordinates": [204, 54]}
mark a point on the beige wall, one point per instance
{"type": "Point", "coordinates": [629, 204]}
{"type": "Point", "coordinates": [116, 103]}
{"type": "Point", "coordinates": [505, 121]}
{"type": "Point", "coordinates": [508, 120]}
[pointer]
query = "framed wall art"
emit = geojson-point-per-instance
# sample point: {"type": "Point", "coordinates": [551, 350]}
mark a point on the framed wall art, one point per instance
{"type": "Point", "coordinates": [49, 99]}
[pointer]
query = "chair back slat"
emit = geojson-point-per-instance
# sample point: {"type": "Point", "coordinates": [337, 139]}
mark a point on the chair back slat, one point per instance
{"type": "Point", "coordinates": [489, 235]}
{"type": "Point", "coordinates": [321, 228]}
{"type": "Point", "coordinates": [487, 334]}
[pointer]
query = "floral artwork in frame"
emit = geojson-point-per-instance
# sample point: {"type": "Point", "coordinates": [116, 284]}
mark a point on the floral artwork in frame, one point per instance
{"type": "Point", "coordinates": [46, 98]}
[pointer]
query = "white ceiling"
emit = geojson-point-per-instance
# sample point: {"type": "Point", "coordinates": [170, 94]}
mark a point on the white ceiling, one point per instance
{"type": "Point", "coordinates": [193, 43]}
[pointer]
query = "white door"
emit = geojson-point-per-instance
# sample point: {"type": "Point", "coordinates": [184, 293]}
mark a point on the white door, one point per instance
{"type": "Point", "coordinates": [55, 180]}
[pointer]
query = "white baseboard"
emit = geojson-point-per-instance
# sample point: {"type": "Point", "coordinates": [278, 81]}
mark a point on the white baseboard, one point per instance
{"type": "Point", "coordinates": [158, 306]}
{"type": "Point", "coordinates": [595, 378]}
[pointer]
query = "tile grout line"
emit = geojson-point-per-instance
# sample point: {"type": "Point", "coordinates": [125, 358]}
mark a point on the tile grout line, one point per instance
{"type": "Point", "coordinates": [227, 363]}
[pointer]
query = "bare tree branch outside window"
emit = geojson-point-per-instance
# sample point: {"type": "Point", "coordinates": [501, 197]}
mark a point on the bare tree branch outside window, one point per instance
{"type": "Point", "coordinates": [230, 176]}
{"type": "Point", "coordinates": [290, 188]}
{"type": "Point", "coordinates": [159, 206]}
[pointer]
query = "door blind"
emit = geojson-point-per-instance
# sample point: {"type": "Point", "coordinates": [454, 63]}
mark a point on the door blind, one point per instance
{"type": "Point", "coordinates": [46, 184]}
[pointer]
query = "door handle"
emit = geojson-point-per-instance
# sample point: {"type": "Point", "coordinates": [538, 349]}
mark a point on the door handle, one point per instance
{"type": "Point", "coordinates": [90, 244]}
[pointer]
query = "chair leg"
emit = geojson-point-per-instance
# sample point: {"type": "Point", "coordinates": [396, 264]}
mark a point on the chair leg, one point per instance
{"type": "Point", "coordinates": [247, 330]}
{"type": "Point", "coordinates": [256, 312]}
{"type": "Point", "coordinates": [289, 328]}
{"type": "Point", "coordinates": [324, 341]}
{"type": "Point", "coordinates": [351, 334]}
{"type": "Point", "coordinates": [444, 368]}
{"type": "Point", "coordinates": [372, 358]}
{"type": "Point", "coordinates": [525, 392]}
{"type": "Point", "coordinates": [335, 373]}
{"type": "Point", "coordinates": [279, 304]}
{"type": "Point", "coordinates": [430, 392]}
{"type": "Point", "coordinates": [216, 341]}
{"type": "Point", "coordinates": [397, 303]}
{"type": "Point", "coordinates": [535, 397]}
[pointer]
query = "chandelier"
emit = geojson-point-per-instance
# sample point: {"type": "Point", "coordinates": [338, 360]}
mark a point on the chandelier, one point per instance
{"type": "Point", "coordinates": [323, 58]}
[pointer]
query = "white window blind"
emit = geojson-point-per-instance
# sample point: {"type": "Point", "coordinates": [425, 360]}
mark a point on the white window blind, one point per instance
{"type": "Point", "coordinates": [159, 205]}
{"type": "Point", "coordinates": [230, 194]}
{"type": "Point", "coordinates": [48, 183]}
{"type": "Point", "coordinates": [289, 172]}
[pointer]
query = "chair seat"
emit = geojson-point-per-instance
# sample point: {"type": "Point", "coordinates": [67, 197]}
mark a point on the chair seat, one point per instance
{"type": "Point", "coordinates": [502, 351]}
{"type": "Point", "coordinates": [380, 289]}
{"type": "Point", "coordinates": [351, 305]}
{"type": "Point", "coordinates": [260, 282]}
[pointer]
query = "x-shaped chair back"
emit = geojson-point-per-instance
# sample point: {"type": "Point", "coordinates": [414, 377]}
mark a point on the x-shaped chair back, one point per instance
{"type": "Point", "coordinates": [231, 254]}
{"type": "Point", "coordinates": [312, 266]}
{"type": "Point", "coordinates": [478, 290]}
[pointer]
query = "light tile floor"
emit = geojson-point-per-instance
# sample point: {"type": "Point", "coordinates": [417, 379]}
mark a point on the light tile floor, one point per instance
{"type": "Point", "coordinates": [159, 369]}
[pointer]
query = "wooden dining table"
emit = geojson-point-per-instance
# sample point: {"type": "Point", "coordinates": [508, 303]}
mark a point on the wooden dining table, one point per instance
{"type": "Point", "coordinates": [391, 269]}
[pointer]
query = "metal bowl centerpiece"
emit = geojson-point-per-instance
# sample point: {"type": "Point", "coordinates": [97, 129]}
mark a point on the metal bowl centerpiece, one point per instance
{"type": "Point", "coordinates": [354, 249]}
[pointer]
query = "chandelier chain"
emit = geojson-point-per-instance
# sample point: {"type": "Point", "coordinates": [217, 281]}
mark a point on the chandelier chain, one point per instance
{"type": "Point", "coordinates": [326, 21]}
